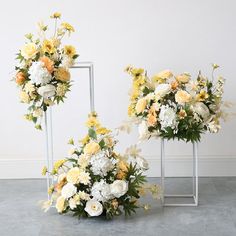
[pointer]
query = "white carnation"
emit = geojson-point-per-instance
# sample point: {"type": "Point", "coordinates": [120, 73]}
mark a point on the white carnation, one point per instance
{"type": "Point", "coordinates": [93, 208]}
{"type": "Point", "coordinates": [47, 91]}
{"type": "Point", "coordinates": [39, 74]}
{"type": "Point", "coordinates": [167, 117]}
{"type": "Point", "coordinates": [101, 191]}
{"type": "Point", "coordinates": [101, 164]}
{"type": "Point", "coordinates": [119, 188]}
{"type": "Point", "coordinates": [68, 190]}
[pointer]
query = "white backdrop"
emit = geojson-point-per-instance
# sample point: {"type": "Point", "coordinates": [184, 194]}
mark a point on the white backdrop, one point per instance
{"type": "Point", "coordinates": [178, 35]}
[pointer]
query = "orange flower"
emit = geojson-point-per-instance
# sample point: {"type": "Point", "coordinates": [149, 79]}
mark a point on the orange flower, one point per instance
{"type": "Point", "coordinates": [20, 78]}
{"type": "Point", "coordinates": [48, 63]}
{"type": "Point", "coordinates": [151, 120]}
{"type": "Point", "coordinates": [174, 85]}
{"type": "Point", "coordinates": [121, 175]}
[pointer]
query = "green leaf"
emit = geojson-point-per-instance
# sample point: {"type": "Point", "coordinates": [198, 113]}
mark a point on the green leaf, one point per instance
{"type": "Point", "coordinates": [92, 133]}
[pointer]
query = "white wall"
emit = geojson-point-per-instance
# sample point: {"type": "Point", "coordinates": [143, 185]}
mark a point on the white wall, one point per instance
{"type": "Point", "coordinates": [178, 35]}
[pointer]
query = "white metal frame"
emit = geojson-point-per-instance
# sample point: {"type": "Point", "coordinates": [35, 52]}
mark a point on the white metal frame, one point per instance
{"type": "Point", "coordinates": [194, 194]}
{"type": "Point", "coordinates": [48, 121]}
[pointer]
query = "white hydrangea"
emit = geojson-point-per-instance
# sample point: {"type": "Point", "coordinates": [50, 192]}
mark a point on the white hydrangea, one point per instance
{"type": "Point", "coordinates": [39, 74]}
{"type": "Point", "coordinates": [101, 191]}
{"type": "Point", "coordinates": [167, 117]}
{"type": "Point", "coordinates": [101, 164]}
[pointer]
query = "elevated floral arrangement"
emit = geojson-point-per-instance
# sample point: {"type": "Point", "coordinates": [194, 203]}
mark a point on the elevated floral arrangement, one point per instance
{"type": "Point", "coordinates": [175, 106]}
{"type": "Point", "coordinates": [42, 72]}
{"type": "Point", "coordinates": [95, 180]}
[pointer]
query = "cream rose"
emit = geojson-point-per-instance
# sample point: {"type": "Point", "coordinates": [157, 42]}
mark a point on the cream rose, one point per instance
{"type": "Point", "coordinates": [47, 91]}
{"type": "Point", "coordinates": [119, 188]}
{"type": "Point", "coordinates": [165, 74]}
{"type": "Point", "coordinates": [60, 204]}
{"type": "Point", "coordinates": [29, 50]}
{"type": "Point", "coordinates": [93, 208]}
{"type": "Point", "coordinates": [183, 78]}
{"type": "Point", "coordinates": [24, 97]}
{"type": "Point", "coordinates": [91, 148]}
{"type": "Point", "coordinates": [162, 89]}
{"type": "Point", "coordinates": [182, 97]}
{"type": "Point", "coordinates": [141, 105]}
{"type": "Point", "coordinates": [68, 190]}
{"type": "Point", "coordinates": [73, 175]}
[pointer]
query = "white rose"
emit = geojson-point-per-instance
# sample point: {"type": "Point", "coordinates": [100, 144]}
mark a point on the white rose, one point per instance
{"type": "Point", "coordinates": [162, 89]}
{"type": "Point", "coordinates": [142, 163]}
{"type": "Point", "coordinates": [119, 188]}
{"type": "Point", "coordinates": [201, 109]}
{"type": "Point", "coordinates": [47, 91]}
{"type": "Point", "coordinates": [93, 208]}
{"type": "Point", "coordinates": [68, 190]}
{"type": "Point", "coordinates": [143, 131]}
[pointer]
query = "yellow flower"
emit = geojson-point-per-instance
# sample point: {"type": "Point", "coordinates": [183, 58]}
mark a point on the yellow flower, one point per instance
{"type": "Point", "coordinates": [183, 78]}
{"type": "Point", "coordinates": [71, 141]}
{"type": "Point", "coordinates": [20, 78]}
{"type": "Point", "coordinates": [108, 141]}
{"type": "Point", "coordinates": [215, 66]}
{"type": "Point", "coordinates": [58, 164]}
{"type": "Point", "coordinates": [85, 140]}
{"type": "Point", "coordinates": [24, 97]}
{"type": "Point", "coordinates": [92, 122]}
{"type": "Point", "coordinates": [48, 46]}
{"type": "Point", "coordinates": [60, 204]}
{"type": "Point", "coordinates": [67, 27]}
{"type": "Point", "coordinates": [56, 15]}
{"type": "Point", "coordinates": [123, 165]}
{"type": "Point", "coordinates": [139, 81]}
{"type": "Point", "coordinates": [91, 148]}
{"type": "Point", "coordinates": [73, 175]}
{"type": "Point", "coordinates": [69, 50]}
{"type": "Point", "coordinates": [50, 190]}
{"type": "Point", "coordinates": [102, 130]}
{"type": "Point", "coordinates": [151, 119]}
{"type": "Point", "coordinates": [29, 50]}
{"type": "Point", "coordinates": [136, 71]}
{"type": "Point", "coordinates": [44, 170]}
{"type": "Point", "coordinates": [202, 96]}
{"type": "Point", "coordinates": [131, 110]}
{"type": "Point", "coordinates": [182, 97]}
{"type": "Point", "coordinates": [62, 74]}
{"type": "Point", "coordinates": [141, 105]}
{"type": "Point", "coordinates": [114, 203]}
{"type": "Point", "coordinates": [121, 175]}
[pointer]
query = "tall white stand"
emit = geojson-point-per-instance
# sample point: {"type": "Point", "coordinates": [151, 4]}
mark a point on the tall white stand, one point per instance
{"type": "Point", "coordinates": [194, 194]}
{"type": "Point", "coordinates": [48, 121]}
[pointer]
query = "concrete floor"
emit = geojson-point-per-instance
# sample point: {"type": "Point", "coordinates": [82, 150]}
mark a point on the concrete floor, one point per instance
{"type": "Point", "coordinates": [216, 215]}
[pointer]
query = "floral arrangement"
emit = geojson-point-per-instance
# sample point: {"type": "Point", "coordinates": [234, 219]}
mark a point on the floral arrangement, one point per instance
{"type": "Point", "coordinates": [175, 106]}
{"type": "Point", "coordinates": [42, 72]}
{"type": "Point", "coordinates": [95, 180]}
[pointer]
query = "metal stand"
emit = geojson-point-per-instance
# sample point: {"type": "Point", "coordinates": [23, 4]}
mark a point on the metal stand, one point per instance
{"type": "Point", "coordinates": [48, 121]}
{"type": "Point", "coordinates": [194, 194]}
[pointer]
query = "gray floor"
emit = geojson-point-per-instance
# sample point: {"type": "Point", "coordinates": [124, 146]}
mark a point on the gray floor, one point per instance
{"type": "Point", "coordinates": [216, 214]}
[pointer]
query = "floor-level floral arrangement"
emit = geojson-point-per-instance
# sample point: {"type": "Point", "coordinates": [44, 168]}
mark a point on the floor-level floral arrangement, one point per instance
{"type": "Point", "coordinates": [95, 180]}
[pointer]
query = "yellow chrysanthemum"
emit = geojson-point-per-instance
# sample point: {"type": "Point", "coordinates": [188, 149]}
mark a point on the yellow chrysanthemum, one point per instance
{"type": "Point", "coordinates": [69, 50]}
{"type": "Point", "coordinates": [137, 71]}
{"type": "Point", "coordinates": [67, 27]}
{"type": "Point", "coordinates": [131, 110]}
{"type": "Point", "coordinates": [48, 46]}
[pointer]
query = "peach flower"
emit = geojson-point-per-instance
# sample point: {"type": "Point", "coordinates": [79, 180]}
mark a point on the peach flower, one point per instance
{"type": "Point", "coordinates": [48, 63]}
{"type": "Point", "coordinates": [20, 78]}
{"type": "Point", "coordinates": [182, 97]}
